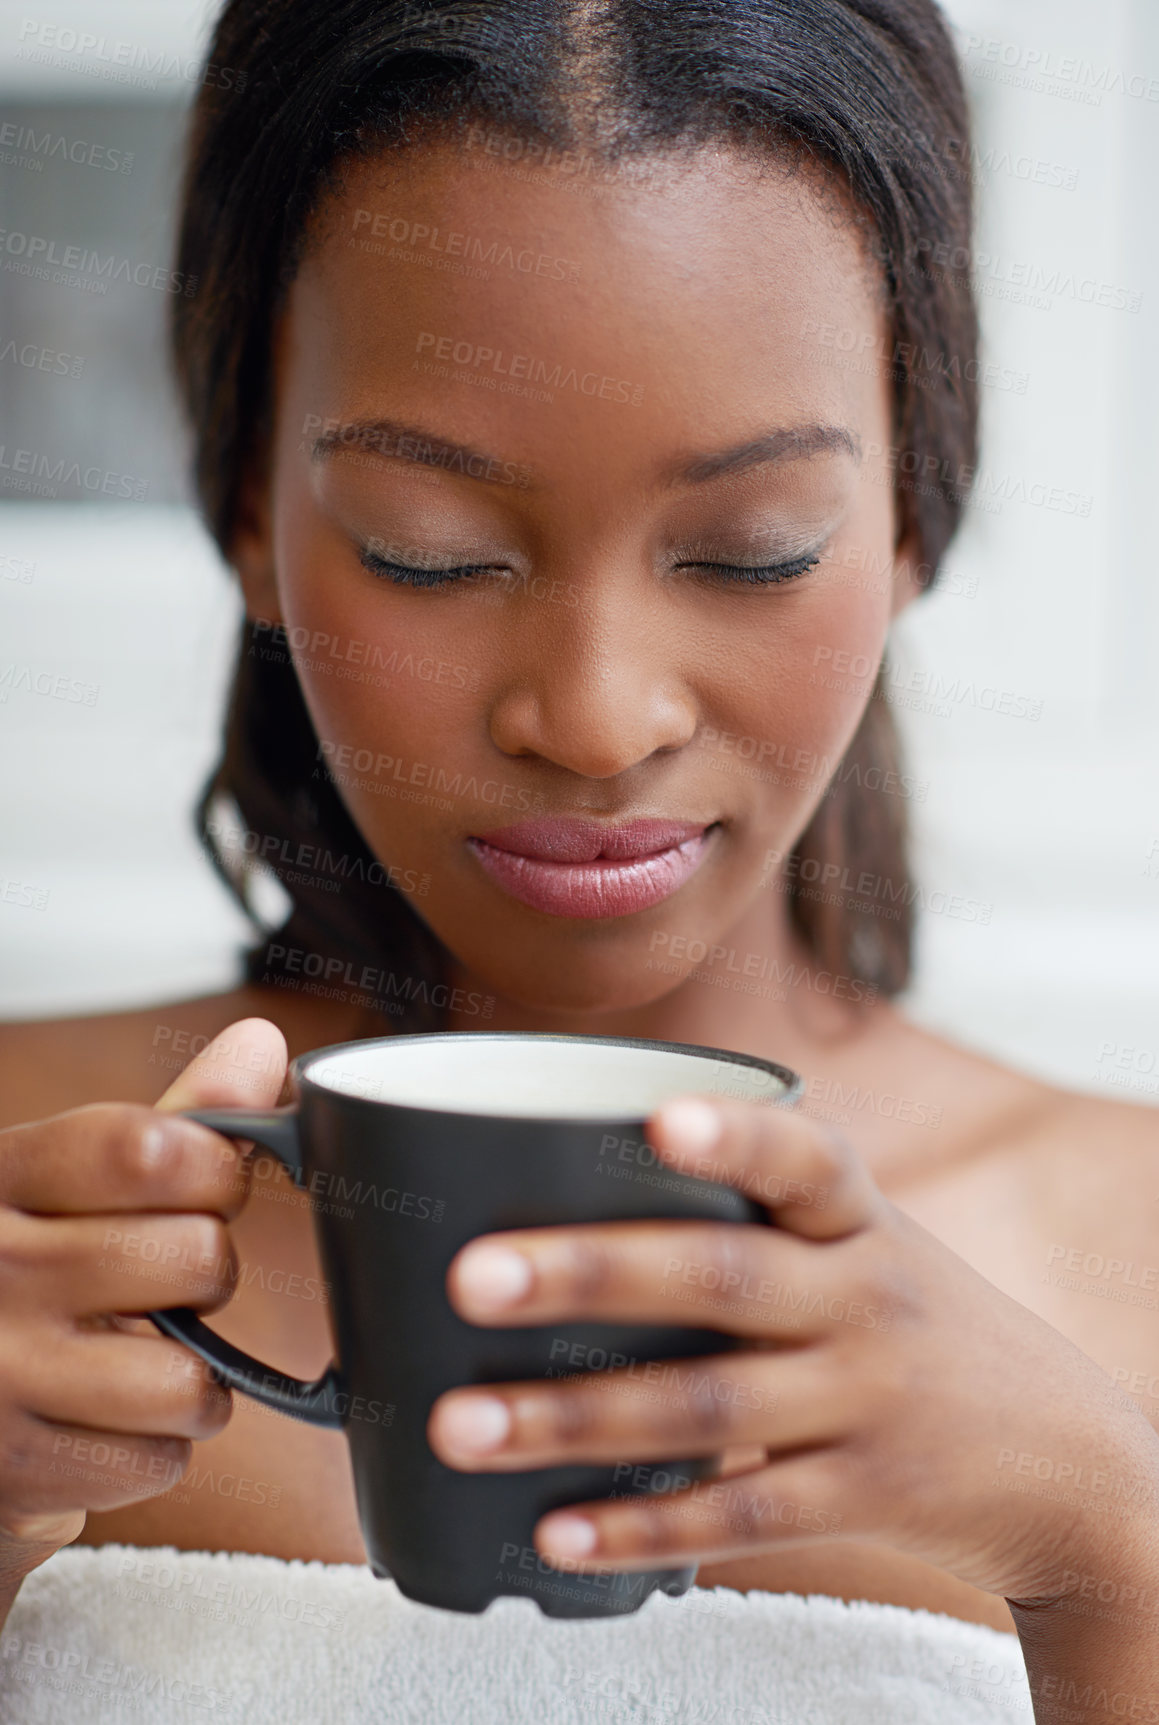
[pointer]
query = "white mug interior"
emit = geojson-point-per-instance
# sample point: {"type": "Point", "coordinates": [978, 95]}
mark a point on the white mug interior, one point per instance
{"type": "Point", "coordinates": [559, 1078]}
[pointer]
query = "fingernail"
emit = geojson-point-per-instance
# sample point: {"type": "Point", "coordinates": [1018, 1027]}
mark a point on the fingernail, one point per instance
{"type": "Point", "coordinates": [569, 1535]}
{"type": "Point", "coordinates": [691, 1124]}
{"type": "Point", "coordinates": [493, 1275]}
{"type": "Point", "coordinates": [474, 1424]}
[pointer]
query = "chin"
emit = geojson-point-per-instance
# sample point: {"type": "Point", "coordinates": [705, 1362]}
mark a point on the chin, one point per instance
{"type": "Point", "coordinates": [594, 988]}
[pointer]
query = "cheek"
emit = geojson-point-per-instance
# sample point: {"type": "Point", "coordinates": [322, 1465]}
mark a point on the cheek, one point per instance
{"type": "Point", "coordinates": [801, 679]}
{"type": "Point", "coordinates": [376, 671]}
{"type": "Point", "coordinates": [804, 683]}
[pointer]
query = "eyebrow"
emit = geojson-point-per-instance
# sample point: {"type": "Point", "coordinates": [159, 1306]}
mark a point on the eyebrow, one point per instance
{"type": "Point", "coordinates": [790, 443]}
{"type": "Point", "coordinates": [393, 439]}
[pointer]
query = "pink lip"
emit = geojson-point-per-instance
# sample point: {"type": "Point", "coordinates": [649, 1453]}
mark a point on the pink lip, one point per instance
{"type": "Point", "coordinates": [579, 868]}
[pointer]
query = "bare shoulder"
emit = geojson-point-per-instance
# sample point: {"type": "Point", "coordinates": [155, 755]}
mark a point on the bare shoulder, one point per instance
{"type": "Point", "coordinates": [923, 1109]}
{"type": "Point", "coordinates": [49, 1065]}
{"type": "Point", "coordinates": [1089, 1183]}
{"type": "Point", "coordinates": [1011, 1156]}
{"type": "Point", "coordinates": [992, 1109]}
{"type": "Point", "coordinates": [1102, 1160]}
{"type": "Point", "coordinates": [1051, 1194]}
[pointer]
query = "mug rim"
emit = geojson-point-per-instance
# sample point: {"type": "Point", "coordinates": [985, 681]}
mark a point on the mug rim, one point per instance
{"type": "Point", "coordinates": [299, 1068]}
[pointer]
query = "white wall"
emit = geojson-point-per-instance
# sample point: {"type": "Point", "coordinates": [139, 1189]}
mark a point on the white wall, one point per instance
{"type": "Point", "coordinates": [94, 50]}
{"type": "Point", "coordinates": [1053, 822]}
{"type": "Point", "coordinates": [131, 610]}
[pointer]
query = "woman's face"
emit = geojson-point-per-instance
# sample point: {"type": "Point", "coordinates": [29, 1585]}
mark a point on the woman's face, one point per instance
{"type": "Point", "coordinates": [610, 405]}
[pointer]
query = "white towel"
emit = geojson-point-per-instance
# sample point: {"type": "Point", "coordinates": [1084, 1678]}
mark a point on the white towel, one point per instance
{"type": "Point", "coordinates": [162, 1637]}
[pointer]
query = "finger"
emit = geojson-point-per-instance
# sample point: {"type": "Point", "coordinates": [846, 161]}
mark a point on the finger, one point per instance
{"type": "Point", "coordinates": [808, 1176]}
{"type": "Point", "coordinates": [792, 1502]}
{"type": "Point", "coordinates": [23, 1535]}
{"type": "Point", "coordinates": [123, 1383]}
{"type": "Point", "coordinates": [52, 1469]}
{"type": "Point", "coordinates": [244, 1066]}
{"type": "Point", "coordinates": [653, 1411]}
{"type": "Point", "coordinates": [117, 1156]}
{"type": "Point", "coordinates": [78, 1266]}
{"type": "Point", "coordinates": [748, 1281]}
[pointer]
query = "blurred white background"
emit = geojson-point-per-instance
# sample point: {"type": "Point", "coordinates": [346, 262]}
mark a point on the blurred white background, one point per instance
{"type": "Point", "coordinates": [105, 898]}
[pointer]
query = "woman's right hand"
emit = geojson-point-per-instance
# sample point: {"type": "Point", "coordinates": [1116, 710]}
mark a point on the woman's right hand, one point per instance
{"type": "Point", "coordinates": [108, 1212]}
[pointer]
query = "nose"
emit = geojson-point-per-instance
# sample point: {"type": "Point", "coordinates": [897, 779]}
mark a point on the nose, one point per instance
{"type": "Point", "coordinates": [594, 686]}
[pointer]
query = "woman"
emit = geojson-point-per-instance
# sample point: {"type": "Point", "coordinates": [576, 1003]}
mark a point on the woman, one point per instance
{"type": "Point", "coordinates": [516, 415]}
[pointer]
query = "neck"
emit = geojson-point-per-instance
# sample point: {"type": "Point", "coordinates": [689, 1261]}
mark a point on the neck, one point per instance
{"type": "Point", "coordinates": [757, 990]}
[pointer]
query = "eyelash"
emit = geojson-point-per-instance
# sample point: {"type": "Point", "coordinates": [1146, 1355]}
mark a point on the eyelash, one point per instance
{"type": "Point", "coordinates": [760, 575]}
{"type": "Point", "coordinates": [404, 575]}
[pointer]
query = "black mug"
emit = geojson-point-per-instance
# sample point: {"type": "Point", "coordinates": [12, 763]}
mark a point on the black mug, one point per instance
{"type": "Point", "coordinates": [409, 1146]}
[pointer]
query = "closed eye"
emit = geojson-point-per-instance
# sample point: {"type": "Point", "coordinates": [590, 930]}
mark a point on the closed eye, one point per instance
{"type": "Point", "coordinates": [754, 575]}
{"type": "Point", "coordinates": [408, 575]}
{"type": "Point", "coordinates": [758, 574]}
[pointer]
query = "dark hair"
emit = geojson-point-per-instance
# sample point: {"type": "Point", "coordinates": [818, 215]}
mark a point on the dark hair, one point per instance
{"type": "Point", "coordinates": [868, 89]}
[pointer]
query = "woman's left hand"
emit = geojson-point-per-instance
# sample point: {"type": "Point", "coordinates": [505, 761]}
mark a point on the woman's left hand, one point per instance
{"type": "Point", "coordinates": [896, 1395]}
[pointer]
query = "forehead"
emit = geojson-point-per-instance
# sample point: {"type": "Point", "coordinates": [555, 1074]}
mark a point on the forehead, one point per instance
{"type": "Point", "coordinates": [694, 286]}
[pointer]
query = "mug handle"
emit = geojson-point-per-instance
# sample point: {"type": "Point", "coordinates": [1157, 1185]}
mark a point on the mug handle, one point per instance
{"type": "Point", "coordinates": [276, 1130]}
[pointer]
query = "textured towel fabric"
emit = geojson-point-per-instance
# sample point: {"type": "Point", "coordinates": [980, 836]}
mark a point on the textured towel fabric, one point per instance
{"type": "Point", "coordinates": [162, 1637]}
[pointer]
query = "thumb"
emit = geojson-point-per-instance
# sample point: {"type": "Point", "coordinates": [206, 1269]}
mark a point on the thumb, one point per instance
{"type": "Point", "coordinates": [243, 1067]}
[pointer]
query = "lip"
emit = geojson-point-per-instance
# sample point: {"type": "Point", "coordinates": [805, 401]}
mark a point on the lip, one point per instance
{"type": "Point", "coordinates": [574, 839]}
{"type": "Point", "coordinates": [579, 868]}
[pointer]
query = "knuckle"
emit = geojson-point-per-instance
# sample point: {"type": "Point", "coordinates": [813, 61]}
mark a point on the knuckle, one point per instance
{"type": "Point", "coordinates": [184, 1375]}
{"type": "Point", "coordinates": [22, 1147]}
{"type": "Point", "coordinates": [865, 1471]}
{"type": "Point", "coordinates": [749, 1124]}
{"type": "Point", "coordinates": [832, 1478]}
{"type": "Point", "coordinates": [231, 1174]}
{"type": "Point", "coordinates": [174, 1450]}
{"type": "Point", "coordinates": [588, 1266]}
{"type": "Point", "coordinates": [726, 1258]}
{"type": "Point", "coordinates": [149, 1461]}
{"type": "Point", "coordinates": [158, 1463]}
{"type": "Point", "coordinates": [877, 1380]}
{"type": "Point", "coordinates": [23, 1246]}
{"type": "Point", "coordinates": [653, 1530]}
{"type": "Point", "coordinates": [573, 1415]}
{"type": "Point", "coordinates": [209, 1241]}
{"type": "Point", "coordinates": [864, 1279]}
{"type": "Point", "coordinates": [215, 1408]}
{"type": "Point", "coordinates": [204, 1249]}
{"type": "Point", "coordinates": [832, 1157]}
{"type": "Point", "coordinates": [890, 1282]}
{"type": "Point", "coordinates": [733, 1249]}
{"type": "Point", "coordinates": [145, 1149]}
{"type": "Point", "coordinates": [747, 1516]}
{"type": "Point", "coordinates": [708, 1414]}
{"type": "Point", "coordinates": [893, 1383]}
{"type": "Point", "coordinates": [21, 1455]}
{"type": "Point", "coordinates": [21, 1526]}
{"type": "Point", "coordinates": [204, 1406]}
